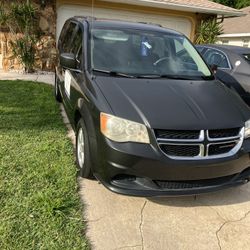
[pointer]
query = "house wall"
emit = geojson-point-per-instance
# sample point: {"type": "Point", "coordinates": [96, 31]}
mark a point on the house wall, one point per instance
{"type": "Point", "coordinates": [192, 17]}
{"type": "Point", "coordinates": [236, 41]}
{"type": "Point", "coordinates": [46, 56]}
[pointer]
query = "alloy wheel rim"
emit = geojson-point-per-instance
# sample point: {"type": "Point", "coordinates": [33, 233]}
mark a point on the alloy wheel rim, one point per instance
{"type": "Point", "coordinates": [80, 148]}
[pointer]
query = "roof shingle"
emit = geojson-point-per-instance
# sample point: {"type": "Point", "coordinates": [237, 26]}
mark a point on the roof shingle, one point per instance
{"type": "Point", "coordinates": [197, 6]}
{"type": "Point", "coordinates": [199, 3]}
{"type": "Point", "coordinates": [238, 25]}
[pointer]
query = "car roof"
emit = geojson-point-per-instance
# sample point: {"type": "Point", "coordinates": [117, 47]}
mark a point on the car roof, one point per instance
{"type": "Point", "coordinates": [227, 48]}
{"type": "Point", "coordinates": [111, 23]}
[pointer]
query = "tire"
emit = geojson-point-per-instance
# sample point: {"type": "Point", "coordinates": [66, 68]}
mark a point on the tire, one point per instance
{"type": "Point", "coordinates": [83, 158]}
{"type": "Point", "coordinates": [57, 93]}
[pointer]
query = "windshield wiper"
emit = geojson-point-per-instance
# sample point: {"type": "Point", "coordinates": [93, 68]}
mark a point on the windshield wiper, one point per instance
{"type": "Point", "coordinates": [113, 73]}
{"type": "Point", "coordinates": [178, 77]}
{"type": "Point", "coordinates": [207, 77]}
{"type": "Point", "coordinates": [155, 76]}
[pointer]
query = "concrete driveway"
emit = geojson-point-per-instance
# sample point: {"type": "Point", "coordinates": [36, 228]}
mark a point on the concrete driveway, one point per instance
{"type": "Point", "coordinates": [214, 221]}
{"type": "Point", "coordinates": [46, 77]}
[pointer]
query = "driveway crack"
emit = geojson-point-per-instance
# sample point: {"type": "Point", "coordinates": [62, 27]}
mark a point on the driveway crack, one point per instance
{"type": "Point", "coordinates": [217, 212]}
{"type": "Point", "coordinates": [141, 224]}
{"type": "Point", "coordinates": [227, 222]}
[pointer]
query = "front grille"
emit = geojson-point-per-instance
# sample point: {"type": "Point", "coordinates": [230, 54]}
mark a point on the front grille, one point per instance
{"type": "Point", "coordinates": [223, 133]}
{"type": "Point", "coordinates": [181, 150]}
{"type": "Point", "coordinates": [192, 184]}
{"type": "Point", "coordinates": [217, 149]}
{"type": "Point", "coordinates": [200, 144]}
{"type": "Point", "coordinates": [178, 134]}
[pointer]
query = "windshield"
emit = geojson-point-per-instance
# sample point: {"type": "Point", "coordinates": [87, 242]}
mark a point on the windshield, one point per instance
{"type": "Point", "coordinates": [145, 53]}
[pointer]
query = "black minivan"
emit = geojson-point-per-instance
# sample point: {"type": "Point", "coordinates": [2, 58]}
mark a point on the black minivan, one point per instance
{"type": "Point", "coordinates": [149, 116]}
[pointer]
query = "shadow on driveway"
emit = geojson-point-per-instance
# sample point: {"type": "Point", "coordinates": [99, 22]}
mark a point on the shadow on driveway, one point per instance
{"type": "Point", "coordinates": [236, 195]}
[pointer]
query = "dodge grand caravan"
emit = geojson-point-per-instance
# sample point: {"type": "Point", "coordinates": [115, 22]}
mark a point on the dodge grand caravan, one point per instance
{"type": "Point", "coordinates": [149, 116]}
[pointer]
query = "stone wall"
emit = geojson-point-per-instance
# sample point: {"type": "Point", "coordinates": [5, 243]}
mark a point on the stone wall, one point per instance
{"type": "Point", "coordinates": [46, 55]}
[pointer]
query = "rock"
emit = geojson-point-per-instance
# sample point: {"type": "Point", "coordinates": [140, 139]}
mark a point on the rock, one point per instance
{"type": "Point", "coordinates": [43, 24]}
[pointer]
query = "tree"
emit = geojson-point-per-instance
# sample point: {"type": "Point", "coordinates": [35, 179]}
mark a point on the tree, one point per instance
{"type": "Point", "coordinates": [21, 20]}
{"type": "Point", "coordinates": [242, 3]}
{"type": "Point", "coordinates": [234, 4]}
{"type": "Point", "coordinates": [230, 3]}
{"type": "Point", "coordinates": [208, 31]}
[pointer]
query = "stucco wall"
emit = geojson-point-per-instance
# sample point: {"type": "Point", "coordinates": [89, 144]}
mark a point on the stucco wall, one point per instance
{"type": "Point", "coordinates": [192, 17]}
{"type": "Point", "coordinates": [46, 56]}
{"type": "Point", "coordinates": [236, 41]}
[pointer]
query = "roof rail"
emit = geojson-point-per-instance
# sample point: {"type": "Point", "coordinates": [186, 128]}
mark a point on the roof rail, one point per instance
{"type": "Point", "coordinates": [85, 17]}
{"type": "Point", "coordinates": [155, 24]}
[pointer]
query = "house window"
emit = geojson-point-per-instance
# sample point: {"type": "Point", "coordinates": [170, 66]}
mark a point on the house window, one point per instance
{"type": "Point", "coordinates": [246, 43]}
{"type": "Point", "coordinates": [225, 42]}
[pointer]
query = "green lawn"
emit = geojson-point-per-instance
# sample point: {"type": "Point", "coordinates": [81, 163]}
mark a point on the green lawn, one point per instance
{"type": "Point", "coordinates": [39, 203]}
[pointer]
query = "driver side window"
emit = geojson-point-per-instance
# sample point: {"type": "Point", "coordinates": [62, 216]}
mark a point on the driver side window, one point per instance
{"type": "Point", "coordinates": [67, 37]}
{"type": "Point", "coordinates": [76, 47]}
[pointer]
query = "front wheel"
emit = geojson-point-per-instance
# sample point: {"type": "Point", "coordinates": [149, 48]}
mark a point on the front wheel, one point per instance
{"type": "Point", "coordinates": [82, 151]}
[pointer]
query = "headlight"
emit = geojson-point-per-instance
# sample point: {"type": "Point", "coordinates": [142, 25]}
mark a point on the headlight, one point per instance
{"type": "Point", "coordinates": [122, 130]}
{"type": "Point", "coordinates": [247, 129]}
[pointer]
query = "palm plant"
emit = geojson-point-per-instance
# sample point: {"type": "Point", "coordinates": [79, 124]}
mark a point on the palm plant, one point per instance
{"type": "Point", "coordinates": [208, 31]}
{"type": "Point", "coordinates": [21, 20]}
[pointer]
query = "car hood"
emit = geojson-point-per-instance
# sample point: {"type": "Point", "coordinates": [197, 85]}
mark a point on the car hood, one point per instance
{"type": "Point", "coordinates": [174, 104]}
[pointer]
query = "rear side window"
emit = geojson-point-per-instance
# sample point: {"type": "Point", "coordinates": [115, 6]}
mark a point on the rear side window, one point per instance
{"type": "Point", "coordinates": [215, 57]}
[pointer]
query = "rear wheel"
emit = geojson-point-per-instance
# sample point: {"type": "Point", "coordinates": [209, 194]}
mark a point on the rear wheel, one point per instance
{"type": "Point", "coordinates": [57, 91]}
{"type": "Point", "coordinates": [82, 151]}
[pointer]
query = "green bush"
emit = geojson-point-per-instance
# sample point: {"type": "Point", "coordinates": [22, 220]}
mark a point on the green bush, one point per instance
{"type": "Point", "coordinates": [21, 20]}
{"type": "Point", "coordinates": [234, 4]}
{"type": "Point", "coordinates": [208, 31]}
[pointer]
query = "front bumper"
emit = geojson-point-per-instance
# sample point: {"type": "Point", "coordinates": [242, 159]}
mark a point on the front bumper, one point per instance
{"type": "Point", "coordinates": [143, 170]}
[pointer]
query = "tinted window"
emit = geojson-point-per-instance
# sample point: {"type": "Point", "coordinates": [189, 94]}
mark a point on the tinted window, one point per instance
{"type": "Point", "coordinates": [67, 38]}
{"type": "Point", "coordinates": [216, 57]}
{"type": "Point", "coordinates": [62, 35]}
{"type": "Point", "coordinates": [76, 46]}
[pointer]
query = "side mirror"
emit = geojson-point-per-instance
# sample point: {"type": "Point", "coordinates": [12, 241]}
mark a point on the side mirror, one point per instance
{"type": "Point", "coordinates": [68, 60]}
{"type": "Point", "coordinates": [214, 68]}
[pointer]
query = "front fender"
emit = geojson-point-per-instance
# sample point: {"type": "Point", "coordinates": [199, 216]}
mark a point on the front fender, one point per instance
{"type": "Point", "coordinates": [91, 118]}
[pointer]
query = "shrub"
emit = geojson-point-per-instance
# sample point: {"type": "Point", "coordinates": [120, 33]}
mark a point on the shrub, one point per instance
{"type": "Point", "coordinates": [21, 20]}
{"type": "Point", "coordinates": [208, 31]}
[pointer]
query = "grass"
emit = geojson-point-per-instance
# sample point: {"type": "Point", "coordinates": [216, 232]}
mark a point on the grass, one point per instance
{"type": "Point", "coordinates": [39, 204]}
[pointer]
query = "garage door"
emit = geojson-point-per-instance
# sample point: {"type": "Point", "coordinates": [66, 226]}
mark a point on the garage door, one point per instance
{"type": "Point", "coordinates": [177, 23]}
